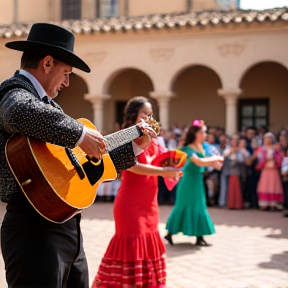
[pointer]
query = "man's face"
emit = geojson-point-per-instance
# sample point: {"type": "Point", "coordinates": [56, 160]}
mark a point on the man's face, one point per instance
{"type": "Point", "coordinates": [250, 134]}
{"type": "Point", "coordinates": [211, 139]}
{"type": "Point", "coordinates": [212, 131]}
{"type": "Point", "coordinates": [219, 132]}
{"type": "Point", "coordinates": [57, 78]}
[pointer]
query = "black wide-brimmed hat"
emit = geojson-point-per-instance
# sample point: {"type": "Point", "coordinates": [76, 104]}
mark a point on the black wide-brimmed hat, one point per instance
{"type": "Point", "coordinates": [50, 39]}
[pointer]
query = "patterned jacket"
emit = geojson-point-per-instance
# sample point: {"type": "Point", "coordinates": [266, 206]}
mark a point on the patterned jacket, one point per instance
{"type": "Point", "coordinates": [22, 110]}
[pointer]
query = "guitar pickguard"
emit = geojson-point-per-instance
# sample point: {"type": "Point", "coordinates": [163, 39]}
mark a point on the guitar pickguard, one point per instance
{"type": "Point", "coordinates": [93, 172]}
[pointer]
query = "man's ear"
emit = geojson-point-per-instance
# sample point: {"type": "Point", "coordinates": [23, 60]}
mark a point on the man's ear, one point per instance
{"type": "Point", "coordinates": [47, 63]}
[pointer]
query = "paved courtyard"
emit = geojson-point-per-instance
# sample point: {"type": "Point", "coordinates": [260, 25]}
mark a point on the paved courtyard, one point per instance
{"type": "Point", "coordinates": [250, 249]}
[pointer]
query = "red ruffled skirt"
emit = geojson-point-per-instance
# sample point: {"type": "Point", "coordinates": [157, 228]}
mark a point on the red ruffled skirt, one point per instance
{"type": "Point", "coordinates": [136, 261]}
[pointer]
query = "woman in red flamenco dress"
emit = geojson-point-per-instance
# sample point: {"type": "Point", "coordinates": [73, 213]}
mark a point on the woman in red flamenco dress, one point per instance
{"type": "Point", "coordinates": [135, 256]}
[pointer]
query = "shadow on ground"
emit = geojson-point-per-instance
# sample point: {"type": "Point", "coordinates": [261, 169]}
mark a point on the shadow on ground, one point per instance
{"type": "Point", "coordinates": [251, 218]}
{"type": "Point", "coordinates": [278, 261]}
{"type": "Point", "coordinates": [179, 249]}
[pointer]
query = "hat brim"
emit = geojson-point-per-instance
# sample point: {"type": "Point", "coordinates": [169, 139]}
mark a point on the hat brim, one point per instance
{"type": "Point", "coordinates": [59, 53]}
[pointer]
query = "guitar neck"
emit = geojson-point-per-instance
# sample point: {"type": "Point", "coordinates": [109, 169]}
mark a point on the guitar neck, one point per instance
{"type": "Point", "coordinates": [122, 137]}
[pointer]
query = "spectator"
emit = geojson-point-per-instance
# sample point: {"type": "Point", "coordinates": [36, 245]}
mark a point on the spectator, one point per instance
{"type": "Point", "coordinates": [261, 132]}
{"type": "Point", "coordinates": [242, 133]}
{"type": "Point", "coordinates": [176, 130]}
{"type": "Point", "coordinates": [172, 142]}
{"type": "Point", "coordinates": [269, 189]}
{"type": "Point", "coordinates": [181, 141]}
{"type": "Point", "coordinates": [211, 175]}
{"type": "Point", "coordinates": [212, 130]}
{"type": "Point", "coordinates": [219, 132]}
{"type": "Point", "coordinates": [284, 173]}
{"type": "Point", "coordinates": [244, 171]}
{"type": "Point", "coordinates": [161, 139]}
{"type": "Point", "coordinates": [250, 136]}
{"type": "Point", "coordinates": [283, 139]}
{"type": "Point", "coordinates": [250, 192]}
{"type": "Point", "coordinates": [234, 160]}
{"type": "Point", "coordinates": [224, 141]}
{"type": "Point", "coordinates": [213, 147]}
{"type": "Point", "coordinates": [225, 174]}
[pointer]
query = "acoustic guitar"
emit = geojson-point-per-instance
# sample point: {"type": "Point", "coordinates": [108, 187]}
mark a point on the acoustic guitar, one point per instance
{"type": "Point", "coordinates": [59, 182]}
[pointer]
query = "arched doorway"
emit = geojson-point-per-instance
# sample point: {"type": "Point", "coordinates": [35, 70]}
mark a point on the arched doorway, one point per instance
{"type": "Point", "coordinates": [264, 99]}
{"type": "Point", "coordinates": [197, 98]}
{"type": "Point", "coordinates": [72, 100]}
{"type": "Point", "coordinates": [125, 85]}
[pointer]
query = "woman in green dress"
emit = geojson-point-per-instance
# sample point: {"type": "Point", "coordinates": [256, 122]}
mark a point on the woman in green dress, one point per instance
{"type": "Point", "coordinates": [190, 215]}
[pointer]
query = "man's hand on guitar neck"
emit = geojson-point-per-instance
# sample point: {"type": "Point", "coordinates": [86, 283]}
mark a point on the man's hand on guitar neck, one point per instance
{"type": "Point", "coordinates": [93, 143]}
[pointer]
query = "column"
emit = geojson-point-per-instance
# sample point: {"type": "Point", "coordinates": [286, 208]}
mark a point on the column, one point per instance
{"type": "Point", "coordinates": [231, 97]}
{"type": "Point", "coordinates": [163, 99]}
{"type": "Point", "coordinates": [98, 105]}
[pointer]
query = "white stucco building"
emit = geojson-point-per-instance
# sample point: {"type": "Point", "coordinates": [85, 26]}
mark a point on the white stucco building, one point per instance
{"type": "Point", "coordinates": [226, 67]}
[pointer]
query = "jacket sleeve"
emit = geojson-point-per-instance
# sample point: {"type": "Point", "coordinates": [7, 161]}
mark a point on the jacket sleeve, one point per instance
{"type": "Point", "coordinates": [22, 112]}
{"type": "Point", "coordinates": [123, 157]}
{"type": "Point", "coordinates": [278, 159]}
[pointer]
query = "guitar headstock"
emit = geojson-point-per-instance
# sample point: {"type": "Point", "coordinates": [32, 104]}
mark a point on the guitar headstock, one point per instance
{"type": "Point", "coordinates": [152, 125]}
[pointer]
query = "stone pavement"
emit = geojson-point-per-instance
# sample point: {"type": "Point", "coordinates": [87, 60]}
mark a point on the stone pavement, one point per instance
{"type": "Point", "coordinates": [250, 249]}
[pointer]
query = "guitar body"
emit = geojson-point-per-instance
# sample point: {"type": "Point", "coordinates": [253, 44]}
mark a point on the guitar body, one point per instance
{"type": "Point", "coordinates": [49, 179]}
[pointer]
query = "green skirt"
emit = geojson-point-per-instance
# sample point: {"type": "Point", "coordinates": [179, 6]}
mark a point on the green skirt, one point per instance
{"type": "Point", "coordinates": [190, 215]}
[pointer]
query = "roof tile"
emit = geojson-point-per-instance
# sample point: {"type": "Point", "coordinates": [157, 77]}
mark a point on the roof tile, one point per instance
{"type": "Point", "coordinates": [158, 21]}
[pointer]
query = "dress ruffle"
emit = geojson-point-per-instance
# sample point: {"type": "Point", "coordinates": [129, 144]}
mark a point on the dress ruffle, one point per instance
{"type": "Point", "coordinates": [270, 189]}
{"type": "Point", "coordinates": [133, 261]}
{"type": "Point", "coordinates": [190, 221]}
{"type": "Point", "coordinates": [270, 182]}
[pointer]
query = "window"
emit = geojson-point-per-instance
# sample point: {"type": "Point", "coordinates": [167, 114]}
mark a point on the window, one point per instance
{"type": "Point", "coordinates": [107, 8]}
{"type": "Point", "coordinates": [71, 9]}
{"type": "Point", "coordinates": [253, 113]}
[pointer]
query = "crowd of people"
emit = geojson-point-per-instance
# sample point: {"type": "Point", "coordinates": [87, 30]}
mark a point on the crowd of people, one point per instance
{"type": "Point", "coordinates": [254, 173]}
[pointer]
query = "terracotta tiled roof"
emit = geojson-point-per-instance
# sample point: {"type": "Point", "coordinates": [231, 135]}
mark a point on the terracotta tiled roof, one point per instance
{"type": "Point", "coordinates": [161, 21]}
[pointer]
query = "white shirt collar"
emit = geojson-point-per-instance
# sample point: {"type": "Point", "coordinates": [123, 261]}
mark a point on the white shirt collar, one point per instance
{"type": "Point", "coordinates": [40, 90]}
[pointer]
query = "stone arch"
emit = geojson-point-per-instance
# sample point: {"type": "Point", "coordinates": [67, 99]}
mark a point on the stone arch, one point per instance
{"type": "Point", "coordinates": [72, 101]}
{"type": "Point", "coordinates": [267, 80]}
{"type": "Point", "coordinates": [256, 63]}
{"type": "Point", "coordinates": [176, 75]}
{"type": "Point", "coordinates": [110, 78]}
{"type": "Point", "coordinates": [195, 88]}
{"type": "Point", "coordinates": [121, 86]}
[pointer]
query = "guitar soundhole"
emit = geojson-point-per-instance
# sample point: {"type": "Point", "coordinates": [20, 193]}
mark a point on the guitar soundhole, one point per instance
{"type": "Point", "coordinates": [93, 172]}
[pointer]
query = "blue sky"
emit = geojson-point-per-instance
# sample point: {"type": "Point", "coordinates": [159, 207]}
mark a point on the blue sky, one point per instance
{"type": "Point", "coordinates": [262, 4]}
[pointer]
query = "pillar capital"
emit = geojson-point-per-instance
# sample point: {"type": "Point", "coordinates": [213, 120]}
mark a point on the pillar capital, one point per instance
{"type": "Point", "coordinates": [162, 95]}
{"type": "Point", "coordinates": [230, 94]}
{"type": "Point", "coordinates": [96, 98]}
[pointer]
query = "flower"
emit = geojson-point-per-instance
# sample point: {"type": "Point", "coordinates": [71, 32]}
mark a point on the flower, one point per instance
{"type": "Point", "coordinates": [197, 123]}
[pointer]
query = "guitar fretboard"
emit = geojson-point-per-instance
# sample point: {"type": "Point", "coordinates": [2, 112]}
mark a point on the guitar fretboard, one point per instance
{"type": "Point", "coordinates": [122, 137]}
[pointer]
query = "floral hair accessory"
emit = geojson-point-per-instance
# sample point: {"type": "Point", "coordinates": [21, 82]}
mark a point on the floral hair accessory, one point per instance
{"type": "Point", "coordinates": [197, 123]}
